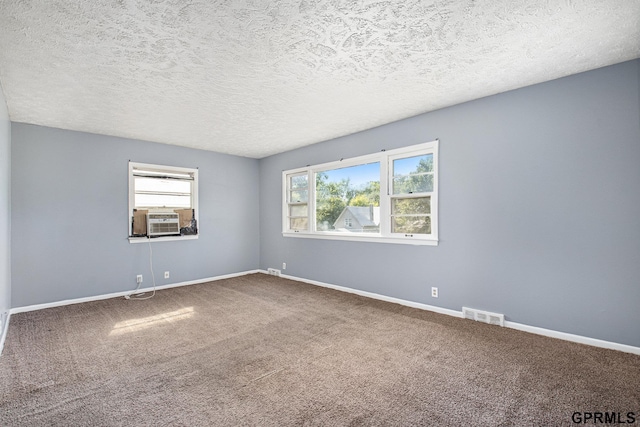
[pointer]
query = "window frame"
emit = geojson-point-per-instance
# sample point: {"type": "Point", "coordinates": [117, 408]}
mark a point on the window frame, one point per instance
{"type": "Point", "coordinates": [406, 196]}
{"type": "Point", "coordinates": [289, 203]}
{"type": "Point", "coordinates": [166, 169]}
{"type": "Point", "coordinates": [385, 159]}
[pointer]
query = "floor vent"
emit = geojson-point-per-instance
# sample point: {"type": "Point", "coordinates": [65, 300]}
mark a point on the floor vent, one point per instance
{"type": "Point", "coordinates": [483, 316]}
{"type": "Point", "coordinates": [273, 271]}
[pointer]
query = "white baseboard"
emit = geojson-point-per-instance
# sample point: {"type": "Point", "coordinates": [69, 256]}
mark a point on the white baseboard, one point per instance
{"type": "Point", "coordinates": [376, 296]}
{"type": "Point", "coordinates": [513, 325]}
{"type": "Point", "coordinates": [573, 338]}
{"type": "Point", "coordinates": [4, 328]}
{"type": "Point", "coordinates": [123, 293]}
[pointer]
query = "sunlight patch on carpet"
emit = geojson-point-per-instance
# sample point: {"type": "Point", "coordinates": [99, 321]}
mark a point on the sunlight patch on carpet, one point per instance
{"type": "Point", "coordinates": [133, 325]}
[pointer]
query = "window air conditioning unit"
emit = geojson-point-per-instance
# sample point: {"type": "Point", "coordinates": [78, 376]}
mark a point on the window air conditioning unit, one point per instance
{"type": "Point", "coordinates": [163, 224]}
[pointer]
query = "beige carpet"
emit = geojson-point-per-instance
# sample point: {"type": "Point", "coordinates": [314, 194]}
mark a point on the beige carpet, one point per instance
{"type": "Point", "coordinates": [262, 350]}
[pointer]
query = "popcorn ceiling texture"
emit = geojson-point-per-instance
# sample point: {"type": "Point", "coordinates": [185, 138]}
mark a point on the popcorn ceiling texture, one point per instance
{"type": "Point", "coordinates": [255, 78]}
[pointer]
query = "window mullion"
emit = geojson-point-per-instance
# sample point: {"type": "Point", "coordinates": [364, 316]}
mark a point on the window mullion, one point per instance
{"type": "Point", "coordinates": [385, 200]}
{"type": "Point", "coordinates": [312, 200]}
{"type": "Point", "coordinates": [285, 202]}
{"type": "Point", "coordinates": [162, 193]}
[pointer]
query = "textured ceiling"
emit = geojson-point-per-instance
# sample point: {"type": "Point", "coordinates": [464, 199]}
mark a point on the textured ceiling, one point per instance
{"type": "Point", "coordinates": [255, 78]}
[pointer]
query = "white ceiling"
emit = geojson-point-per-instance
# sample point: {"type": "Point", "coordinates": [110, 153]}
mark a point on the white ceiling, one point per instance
{"type": "Point", "coordinates": [255, 78]}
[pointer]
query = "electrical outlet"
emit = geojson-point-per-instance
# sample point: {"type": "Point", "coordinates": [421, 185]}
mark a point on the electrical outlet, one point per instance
{"type": "Point", "coordinates": [284, 265]}
{"type": "Point", "coordinates": [139, 278]}
{"type": "Point", "coordinates": [434, 292]}
{"type": "Point", "coordinates": [166, 274]}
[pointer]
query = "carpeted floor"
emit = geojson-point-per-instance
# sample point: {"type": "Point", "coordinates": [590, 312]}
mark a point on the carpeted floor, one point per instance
{"type": "Point", "coordinates": [262, 350]}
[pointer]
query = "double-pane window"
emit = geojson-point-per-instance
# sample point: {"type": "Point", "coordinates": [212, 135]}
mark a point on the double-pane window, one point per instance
{"type": "Point", "coordinates": [298, 202]}
{"type": "Point", "coordinates": [412, 189]}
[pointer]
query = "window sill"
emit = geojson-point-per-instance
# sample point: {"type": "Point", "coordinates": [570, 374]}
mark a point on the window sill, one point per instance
{"type": "Point", "coordinates": [161, 239]}
{"type": "Point", "coordinates": [416, 241]}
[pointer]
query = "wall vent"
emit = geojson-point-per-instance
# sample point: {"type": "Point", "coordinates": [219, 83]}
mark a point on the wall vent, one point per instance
{"type": "Point", "coordinates": [273, 272]}
{"type": "Point", "coordinates": [483, 316]}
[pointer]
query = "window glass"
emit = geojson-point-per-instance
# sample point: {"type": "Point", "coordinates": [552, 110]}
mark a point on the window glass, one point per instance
{"type": "Point", "coordinates": [162, 193]}
{"type": "Point", "coordinates": [298, 210]}
{"type": "Point", "coordinates": [298, 198]}
{"type": "Point", "coordinates": [351, 193]}
{"type": "Point", "coordinates": [411, 224]}
{"type": "Point", "coordinates": [299, 223]}
{"type": "Point", "coordinates": [162, 201]}
{"type": "Point", "coordinates": [159, 185]}
{"type": "Point", "coordinates": [299, 181]}
{"type": "Point", "coordinates": [413, 174]}
{"type": "Point", "coordinates": [298, 188]}
{"type": "Point", "coordinates": [411, 215]}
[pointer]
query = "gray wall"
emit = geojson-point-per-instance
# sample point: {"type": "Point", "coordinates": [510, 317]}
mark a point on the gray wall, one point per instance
{"type": "Point", "coordinates": [5, 207]}
{"type": "Point", "coordinates": [70, 222]}
{"type": "Point", "coordinates": [539, 208]}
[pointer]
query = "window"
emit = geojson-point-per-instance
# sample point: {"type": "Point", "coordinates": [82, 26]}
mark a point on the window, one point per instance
{"type": "Point", "coordinates": [162, 194]}
{"type": "Point", "coordinates": [389, 196]}
{"type": "Point", "coordinates": [411, 192]}
{"type": "Point", "coordinates": [297, 202]}
{"type": "Point", "coordinates": [346, 197]}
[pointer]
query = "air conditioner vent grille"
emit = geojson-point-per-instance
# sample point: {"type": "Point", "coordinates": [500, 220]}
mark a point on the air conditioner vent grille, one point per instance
{"type": "Point", "coordinates": [163, 224]}
{"type": "Point", "coordinates": [163, 228]}
{"type": "Point", "coordinates": [483, 316]}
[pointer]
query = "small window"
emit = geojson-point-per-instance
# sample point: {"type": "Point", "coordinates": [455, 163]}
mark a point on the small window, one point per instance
{"type": "Point", "coordinates": [348, 223]}
{"type": "Point", "coordinates": [162, 193]}
{"type": "Point", "coordinates": [412, 188]}
{"type": "Point", "coordinates": [298, 202]}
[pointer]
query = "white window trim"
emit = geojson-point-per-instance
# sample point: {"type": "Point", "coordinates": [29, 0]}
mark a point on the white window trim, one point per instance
{"type": "Point", "coordinates": [287, 215]}
{"type": "Point", "coordinates": [162, 238]}
{"type": "Point", "coordinates": [194, 201]}
{"type": "Point", "coordinates": [385, 235]}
